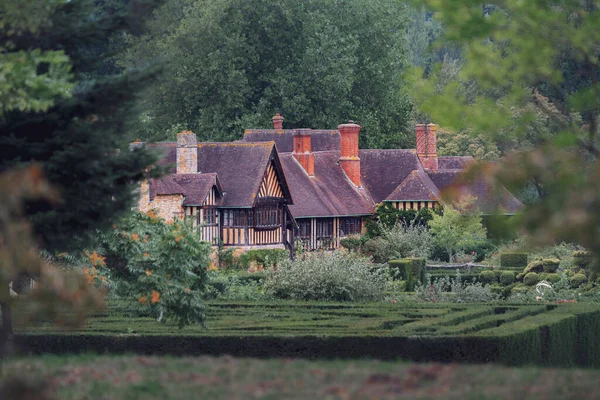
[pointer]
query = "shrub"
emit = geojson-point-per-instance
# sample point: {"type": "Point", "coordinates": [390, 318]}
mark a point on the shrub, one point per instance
{"type": "Point", "coordinates": [520, 288]}
{"type": "Point", "coordinates": [353, 243]}
{"type": "Point", "coordinates": [582, 258]}
{"type": "Point", "coordinates": [578, 280]}
{"type": "Point", "coordinates": [513, 260]}
{"type": "Point", "coordinates": [400, 241]}
{"type": "Point", "coordinates": [159, 266]}
{"type": "Point", "coordinates": [456, 232]}
{"type": "Point", "coordinates": [531, 279]}
{"type": "Point", "coordinates": [487, 277]}
{"type": "Point", "coordinates": [263, 257]}
{"type": "Point", "coordinates": [550, 264]}
{"type": "Point", "coordinates": [340, 276]}
{"type": "Point", "coordinates": [534, 266]}
{"type": "Point", "coordinates": [411, 270]}
{"type": "Point", "coordinates": [507, 278]}
{"type": "Point", "coordinates": [553, 278]}
{"type": "Point", "coordinates": [454, 290]}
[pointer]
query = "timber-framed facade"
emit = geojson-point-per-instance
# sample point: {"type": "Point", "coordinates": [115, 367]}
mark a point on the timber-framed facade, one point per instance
{"type": "Point", "coordinates": [284, 188]}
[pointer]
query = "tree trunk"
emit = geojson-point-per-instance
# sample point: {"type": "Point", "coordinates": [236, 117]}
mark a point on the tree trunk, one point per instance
{"type": "Point", "coordinates": [7, 343]}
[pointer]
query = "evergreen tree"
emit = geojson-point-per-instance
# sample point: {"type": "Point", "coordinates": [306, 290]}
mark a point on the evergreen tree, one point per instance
{"type": "Point", "coordinates": [80, 133]}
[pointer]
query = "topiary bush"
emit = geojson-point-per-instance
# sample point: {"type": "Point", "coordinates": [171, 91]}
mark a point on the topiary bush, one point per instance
{"type": "Point", "coordinates": [513, 260]}
{"type": "Point", "coordinates": [531, 279]}
{"type": "Point", "coordinates": [411, 270]}
{"type": "Point", "coordinates": [339, 276]}
{"type": "Point", "coordinates": [550, 264]}
{"type": "Point", "coordinates": [507, 278]}
{"type": "Point", "coordinates": [582, 258]}
{"type": "Point", "coordinates": [487, 277]}
{"type": "Point", "coordinates": [534, 266]}
{"type": "Point", "coordinates": [553, 278]}
{"type": "Point", "coordinates": [578, 280]}
{"type": "Point", "coordinates": [520, 288]}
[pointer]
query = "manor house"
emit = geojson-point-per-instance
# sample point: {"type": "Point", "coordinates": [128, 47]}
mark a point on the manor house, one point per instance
{"type": "Point", "coordinates": [285, 187]}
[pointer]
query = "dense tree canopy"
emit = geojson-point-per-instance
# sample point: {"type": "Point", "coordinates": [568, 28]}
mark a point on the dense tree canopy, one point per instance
{"type": "Point", "coordinates": [232, 64]}
{"type": "Point", "coordinates": [76, 127]}
{"type": "Point", "coordinates": [533, 70]}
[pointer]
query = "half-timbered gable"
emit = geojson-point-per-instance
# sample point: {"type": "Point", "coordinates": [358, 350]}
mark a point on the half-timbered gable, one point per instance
{"type": "Point", "coordinates": [254, 210]}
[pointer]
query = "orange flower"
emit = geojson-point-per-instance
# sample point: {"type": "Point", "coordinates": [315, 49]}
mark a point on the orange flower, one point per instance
{"type": "Point", "coordinates": [142, 299]}
{"type": "Point", "coordinates": [148, 272]}
{"type": "Point", "coordinates": [187, 290]}
{"type": "Point", "coordinates": [135, 237]}
{"type": "Point", "coordinates": [114, 226]}
{"type": "Point", "coordinates": [152, 214]}
{"type": "Point", "coordinates": [146, 255]}
{"type": "Point", "coordinates": [178, 238]}
{"type": "Point", "coordinates": [155, 296]}
{"type": "Point", "coordinates": [96, 259]}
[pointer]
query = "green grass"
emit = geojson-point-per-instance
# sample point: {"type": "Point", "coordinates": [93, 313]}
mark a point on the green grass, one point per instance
{"type": "Point", "coordinates": [168, 378]}
{"type": "Point", "coordinates": [557, 335]}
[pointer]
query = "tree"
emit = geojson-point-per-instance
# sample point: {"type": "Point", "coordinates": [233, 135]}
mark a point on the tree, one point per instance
{"type": "Point", "coordinates": [160, 267]}
{"type": "Point", "coordinates": [63, 298]}
{"type": "Point", "coordinates": [74, 128]}
{"type": "Point", "coordinates": [517, 53]}
{"type": "Point", "coordinates": [232, 64]}
{"type": "Point", "coordinates": [77, 128]}
{"type": "Point", "coordinates": [457, 230]}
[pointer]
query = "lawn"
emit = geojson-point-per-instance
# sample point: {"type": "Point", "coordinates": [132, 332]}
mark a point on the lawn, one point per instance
{"type": "Point", "coordinates": [168, 378]}
{"type": "Point", "coordinates": [546, 334]}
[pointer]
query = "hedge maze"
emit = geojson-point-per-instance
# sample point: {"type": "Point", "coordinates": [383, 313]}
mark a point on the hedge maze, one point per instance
{"type": "Point", "coordinates": [553, 334]}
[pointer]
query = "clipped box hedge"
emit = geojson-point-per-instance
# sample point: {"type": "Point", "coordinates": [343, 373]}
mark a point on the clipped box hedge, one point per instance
{"type": "Point", "coordinates": [411, 270]}
{"type": "Point", "coordinates": [514, 261]}
{"type": "Point", "coordinates": [554, 335]}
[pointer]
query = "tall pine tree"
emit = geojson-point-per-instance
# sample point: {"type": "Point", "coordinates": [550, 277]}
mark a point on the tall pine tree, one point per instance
{"type": "Point", "coordinates": [80, 134]}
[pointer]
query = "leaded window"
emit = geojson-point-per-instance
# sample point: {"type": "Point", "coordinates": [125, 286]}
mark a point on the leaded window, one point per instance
{"type": "Point", "coordinates": [350, 226]}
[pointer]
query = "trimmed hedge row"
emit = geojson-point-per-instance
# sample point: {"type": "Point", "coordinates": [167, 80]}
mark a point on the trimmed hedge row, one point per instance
{"type": "Point", "coordinates": [558, 335]}
{"type": "Point", "coordinates": [513, 261]}
{"type": "Point", "coordinates": [411, 270]}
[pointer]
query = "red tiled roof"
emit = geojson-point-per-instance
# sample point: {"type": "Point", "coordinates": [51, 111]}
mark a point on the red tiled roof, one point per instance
{"type": "Point", "coordinates": [321, 139]}
{"type": "Point", "coordinates": [489, 200]}
{"type": "Point", "coordinates": [329, 193]}
{"type": "Point", "coordinates": [417, 186]}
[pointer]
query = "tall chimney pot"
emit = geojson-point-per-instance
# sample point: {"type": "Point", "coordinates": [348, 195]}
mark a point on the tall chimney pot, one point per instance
{"type": "Point", "coordinates": [349, 160]}
{"type": "Point", "coordinates": [187, 153]}
{"type": "Point", "coordinates": [427, 145]}
{"type": "Point", "coordinates": [303, 150]}
{"type": "Point", "coordinates": [277, 121]}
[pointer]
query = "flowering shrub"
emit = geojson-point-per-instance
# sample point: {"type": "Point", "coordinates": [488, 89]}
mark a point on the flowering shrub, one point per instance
{"type": "Point", "coordinates": [454, 290]}
{"type": "Point", "coordinates": [161, 267]}
{"type": "Point", "coordinates": [339, 276]}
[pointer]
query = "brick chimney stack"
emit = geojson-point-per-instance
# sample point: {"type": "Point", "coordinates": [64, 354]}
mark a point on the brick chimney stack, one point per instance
{"type": "Point", "coordinates": [302, 150]}
{"type": "Point", "coordinates": [349, 160]}
{"type": "Point", "coordinates": [427, 145]}
{"type": "Point", "coordinates": [277, 121]}
{"type": "Point", "coordinates": [187, 153]}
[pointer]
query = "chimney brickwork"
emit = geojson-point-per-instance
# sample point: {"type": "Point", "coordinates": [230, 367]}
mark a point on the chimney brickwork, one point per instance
{"type": "Point", "coordinates": [277, 122]}
{"type": "Point", "coordinates": [349, 160]}
{"type": "Point", "coordinates": [427, 145]}
{"type": "Point", "coordinates": [187, 153]}
{"type": "Point", "coordinates": [302, 150]}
